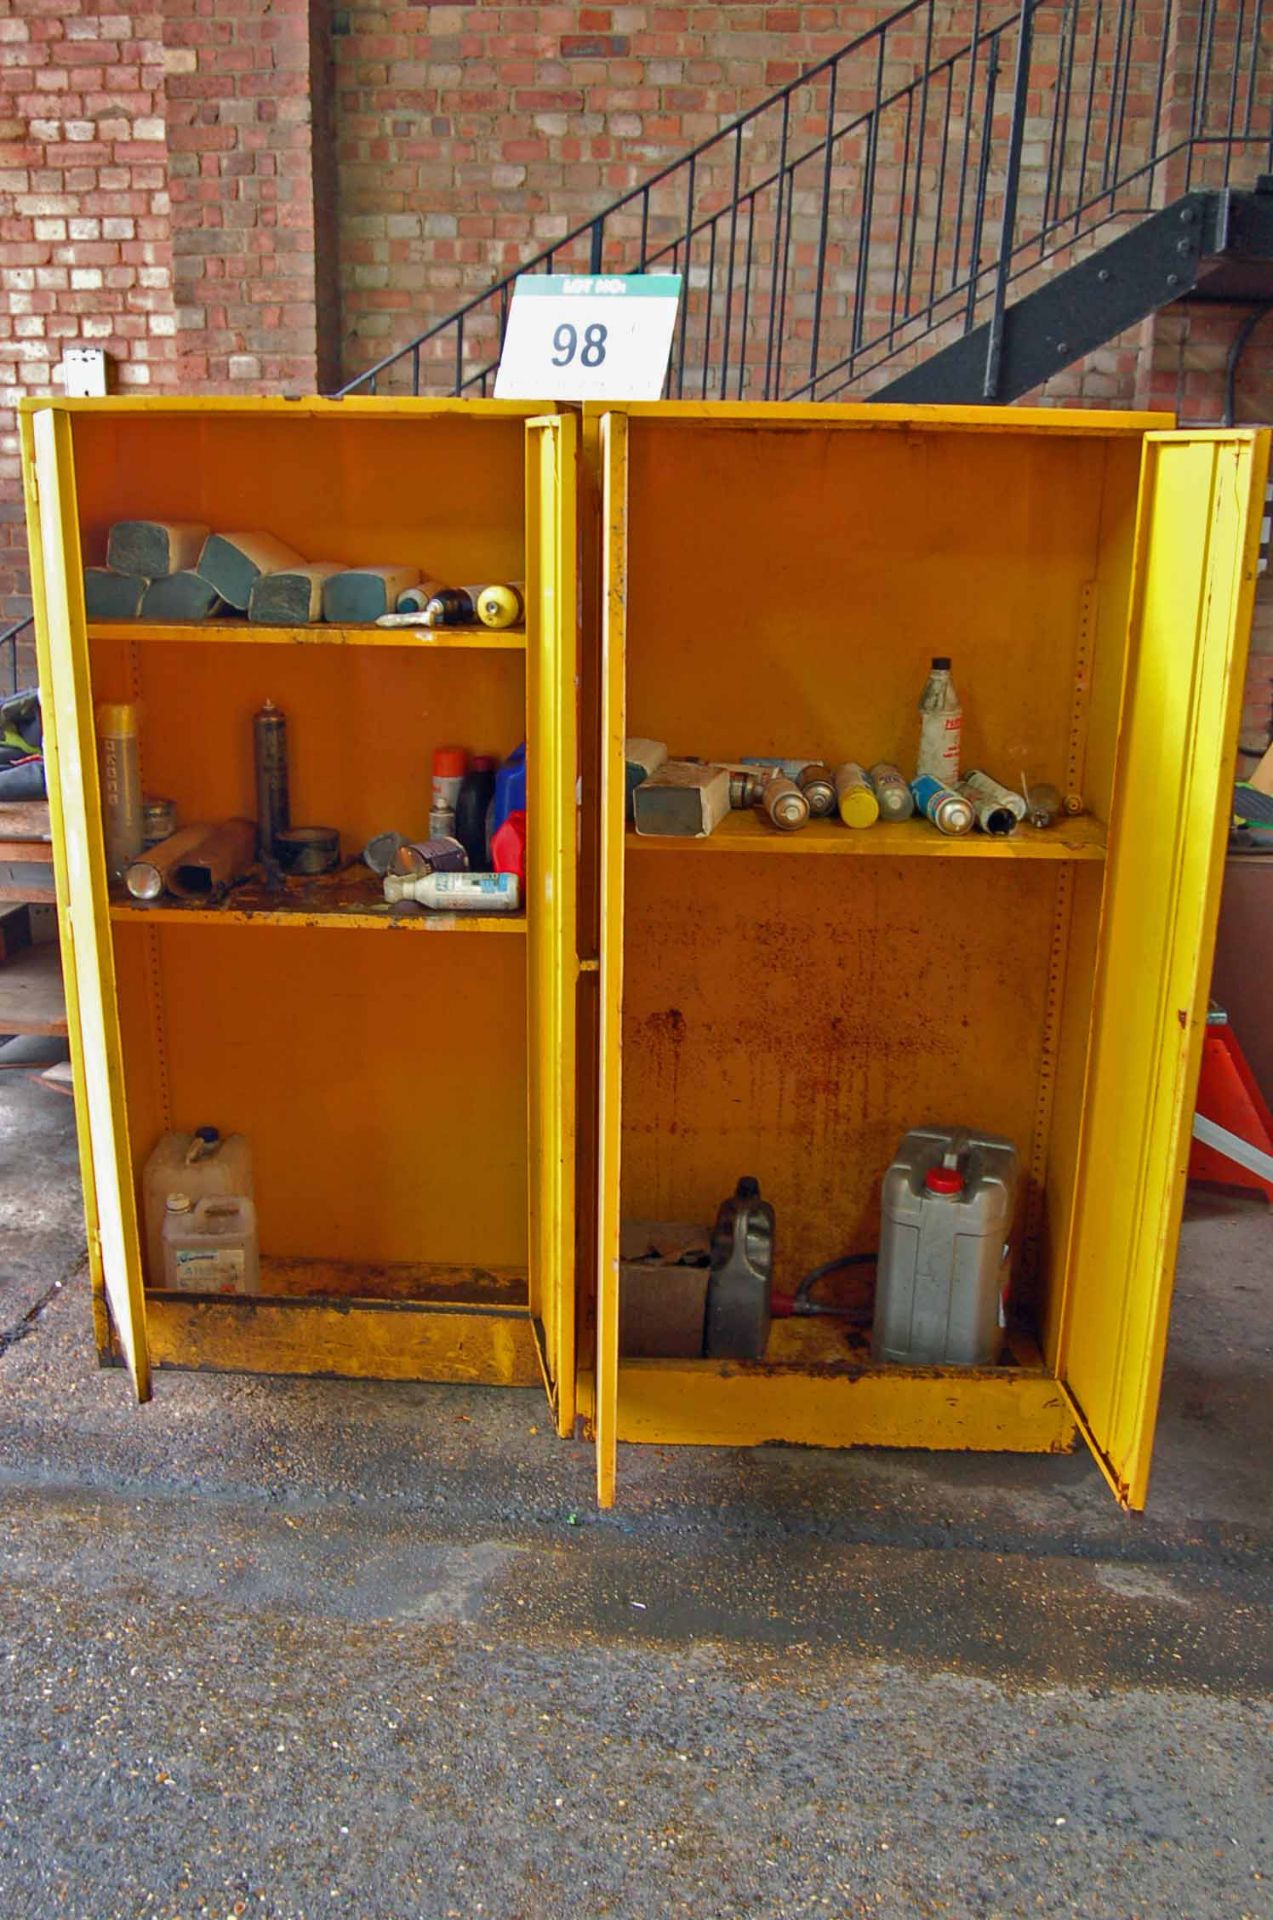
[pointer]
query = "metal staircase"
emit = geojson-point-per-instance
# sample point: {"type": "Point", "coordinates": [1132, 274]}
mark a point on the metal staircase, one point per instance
{"type": "Point", "coordinates": [952, 207]}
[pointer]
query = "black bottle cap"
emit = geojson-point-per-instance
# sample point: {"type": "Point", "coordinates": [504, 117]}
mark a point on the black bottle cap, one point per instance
{"type": "Point", "coordinates": [942, 660]}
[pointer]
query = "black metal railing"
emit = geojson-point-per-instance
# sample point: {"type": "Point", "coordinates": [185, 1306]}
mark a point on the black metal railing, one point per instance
{"type": "Point", "coordinates": [10, 634]}
{"type": "Point", "coordinates": [900, 192]}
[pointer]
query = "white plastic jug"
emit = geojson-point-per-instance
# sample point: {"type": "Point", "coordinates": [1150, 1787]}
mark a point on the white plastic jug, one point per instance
{"type": "Point", "coordinates": [197, 1164]}
{"type": "Point", "coordinates": [210, 1244]}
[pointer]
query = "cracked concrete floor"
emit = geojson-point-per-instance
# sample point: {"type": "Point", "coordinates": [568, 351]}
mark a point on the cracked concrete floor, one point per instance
{"type": "Point", "coordinates": [297, 1648]}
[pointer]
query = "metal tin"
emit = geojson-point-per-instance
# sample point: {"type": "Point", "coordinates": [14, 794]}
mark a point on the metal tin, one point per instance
{"type": "Point", "coordinates": [307, 850]}
{"type": "Point", "coordinates": [892, 790]}
{"type": "Point", "coordinates": [949, 811]}
{"type": "Point", "coordinates": [1043, 803]}
{"type": "Point", "coordinates": [440, 854]}
{"type": "Point", "coordinates": [158, 821]}
{"type": "Point", "coordinates": [381, 850]}
{"type": "Point", "coordinates": [784, 805]}
{"type": "Point", "coordinates": [269, 759]}
{"type": "Point", "coordinates": [746, 789]}
{"type": "Point", "coordinates": [817, 783]}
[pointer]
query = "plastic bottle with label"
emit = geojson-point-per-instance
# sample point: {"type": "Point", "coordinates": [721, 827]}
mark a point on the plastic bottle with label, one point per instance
{"type": "Point", "coordinates": [202, 1165]}
{"type": "Point", "coordinates": [456, 892]}
{"type": "Point", "coordinates": [210, 1244]}
{"type": "Point", "coordinates": [941, 724]}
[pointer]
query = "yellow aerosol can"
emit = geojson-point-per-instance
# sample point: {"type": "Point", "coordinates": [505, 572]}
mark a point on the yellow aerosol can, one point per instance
{"type": "Point", "coordinates": [855, 796]}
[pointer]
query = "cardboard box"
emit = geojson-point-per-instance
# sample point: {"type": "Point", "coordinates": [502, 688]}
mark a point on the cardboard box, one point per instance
{"type": "Point", "coordinates": [662, 1299]}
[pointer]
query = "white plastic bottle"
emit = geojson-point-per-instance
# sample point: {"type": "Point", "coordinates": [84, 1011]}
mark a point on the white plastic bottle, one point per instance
{"type": "Point", "coordinates": [200, 1164]}
{"type": "Point", "coordinates": [210, 1244]}
{"type": "Point", "coordinates": [456, 892]}
{"type": "Point", "coordinates": [941, 725]}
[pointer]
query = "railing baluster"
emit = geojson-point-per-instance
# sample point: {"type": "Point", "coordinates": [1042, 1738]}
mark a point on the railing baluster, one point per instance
{"type": "Point", "coordinates": [1159, 91]}
{"type": "Point", "coordinates": [1238, 26]}
{"type": "Point", "coordinates": [711, 293]}
{"type": "Point", "coordinates": [595, 243]}
{"type": "Point", "coordinates": [919, 154]}
{"type": "Point", "coordinates": [415, 370]}
{"type": "Point", "coordinates": [941, 189]}
{"type": "Point", "coordinates": [685, 290]}
{"type": "Point", "coordinates": [868, 215]}
{"type": "Point", "coordinates": [1115, 70]}
{"type": "Point", "coordinates": [742, 330]}
{"type": "Point", "coordinates": [1012, 181]}
{"type": "Point", "coordinates": [1081, 194]}
{"type": "Point", "coordinates": [459, 354]}
{"type": "Point", "coordinates": [983, 174]}
{"type": "Point", "coordinates": [1257, 23]}
{"type": "Point", "coordinates": [824, 219]}
{"type": "Point", "coordinates": [901, 218]}
{"type": "Point", "coordinates": [1052, 190]}
{"type": "Point", "coordinates": [645, 226]}
{"type": "Point", "coordinates": [773, 287]}
{"type": "Point", "coordinates": [963, 158]}
{"type": "Point", "coordinates": [729, 276]}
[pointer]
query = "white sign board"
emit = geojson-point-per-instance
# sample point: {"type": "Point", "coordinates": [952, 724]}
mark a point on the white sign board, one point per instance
{"type": "Point", "coordinates": [588, 336]}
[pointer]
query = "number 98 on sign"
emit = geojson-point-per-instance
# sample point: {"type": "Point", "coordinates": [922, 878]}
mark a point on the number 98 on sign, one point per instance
{"type": "Point", "coordinates": [588, 336]}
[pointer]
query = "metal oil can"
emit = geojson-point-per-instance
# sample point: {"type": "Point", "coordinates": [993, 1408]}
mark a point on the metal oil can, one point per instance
{"type": "Point", "coordinates": [947, 1210]}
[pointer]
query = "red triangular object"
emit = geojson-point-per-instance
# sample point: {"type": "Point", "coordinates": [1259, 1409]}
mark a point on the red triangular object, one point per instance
{"type": "Point", "coordinates": [1228, 1095]}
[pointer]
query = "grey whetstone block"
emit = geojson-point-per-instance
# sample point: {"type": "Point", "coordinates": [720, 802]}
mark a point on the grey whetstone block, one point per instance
{"type": "Point", "coordinates": [182, 596]}
{"type": "Point", "coordinates": [153, 548]}
{"type": "Point", "coordinates": [233, 562]}
{"type": "Point", "coordinates": [364, 593]}
{"type": "Point", "coordinates": [112, 596]}
{"type": "Point", "coordinates": [292, 597]}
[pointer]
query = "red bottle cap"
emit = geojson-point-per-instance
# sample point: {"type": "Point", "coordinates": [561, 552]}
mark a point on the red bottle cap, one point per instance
{"type": "Point", "coordinates": [449, 763]}
{"type": "Point", "coordinates": [944, 1180]}
{"type": "Point", "coordinates": [484, 763]}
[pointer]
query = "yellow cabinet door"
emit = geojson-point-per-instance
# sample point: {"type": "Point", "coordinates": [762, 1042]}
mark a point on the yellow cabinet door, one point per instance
{"type": "Point", "coordinates": [550, 884]}
{"type": "Point", "coordinates": [83, 911]}
{"type": "Point", "coordinates": [1201, 502]}
{"type": "Point", "coordinates": [613, 782]}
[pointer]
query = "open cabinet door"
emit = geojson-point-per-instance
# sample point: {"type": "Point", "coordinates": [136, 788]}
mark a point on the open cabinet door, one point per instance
{"type": "Point", "coordinates": [1201, 503]}
{"type": "Point", "coordinates": [614, 508]}
{"type": "Point", "coordinates": [83, 907]}
{"type": "Point", "coordinates": [552, 966]}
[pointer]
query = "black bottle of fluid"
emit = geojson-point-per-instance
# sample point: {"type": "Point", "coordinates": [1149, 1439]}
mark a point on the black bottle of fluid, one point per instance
{"type": "Point", "coordinates": [477, 790]}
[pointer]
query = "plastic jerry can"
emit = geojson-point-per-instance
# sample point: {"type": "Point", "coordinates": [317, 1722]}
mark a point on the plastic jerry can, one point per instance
{"type": "Point", "coordinates": [740, 1285]}
{"type": "Point", "coordinates": [947, 1207]}
{"type": "Point", "coordinates": [198, 1164]}
{"type": "Point", "coordinates": [210, 1244]}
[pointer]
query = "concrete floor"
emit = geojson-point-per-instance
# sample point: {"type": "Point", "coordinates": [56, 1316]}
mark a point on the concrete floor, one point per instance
{"type": "Point", "coordinates": [293, 1649]}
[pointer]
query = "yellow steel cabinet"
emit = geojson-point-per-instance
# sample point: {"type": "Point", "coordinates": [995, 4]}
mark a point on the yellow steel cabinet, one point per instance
{"type": "Point", "coordinates": [775, 582]}
{"type": "Point", "coordinates": [406, 1081]}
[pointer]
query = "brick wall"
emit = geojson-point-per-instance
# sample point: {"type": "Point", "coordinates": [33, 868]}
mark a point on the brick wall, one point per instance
{"type": "Point", "coordinates": [241, 197]}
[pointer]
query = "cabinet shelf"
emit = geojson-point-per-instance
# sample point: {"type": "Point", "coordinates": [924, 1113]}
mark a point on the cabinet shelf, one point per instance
{"type": "Point", "coordinates": [1070, 839]}
{"type": "Point", "coordinates": [241, 632]}
{"type": "Point", "coordinates": [351, 900]}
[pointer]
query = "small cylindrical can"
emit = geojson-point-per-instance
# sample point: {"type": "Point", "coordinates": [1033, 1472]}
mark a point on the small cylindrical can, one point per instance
{"type": "Point", "coordinates": [158, 820]}
{"type": "Point", "coordinates": [501, 604]}
{"type": "Point", "coordinates": [997, 808]}
{"type": "Point", "coordinates": [746, 786]}
{"type": "Point", "coordinates": [438, 854]}
{"type": "Point", "coordinates": [855, 796]}
{"type": "Point", "coordinates": [269, 759]}
{"type": "Point", "coordinates": [450, 607]}
{"type": "Point", "coordinates": [948, 810]}
{"type": "Point", "coordinates": [892, 790]}
{"type": "Point", "coordinates": [784, 805]}
{"type": "Point", "coordinates": [119, 762]}
{"type": "Point", "coordinates": [1075, 804]}
{"type": "Point", "coordinates": [817, 783]}
{"type": "Point", "coordinates": [1043, 803]}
